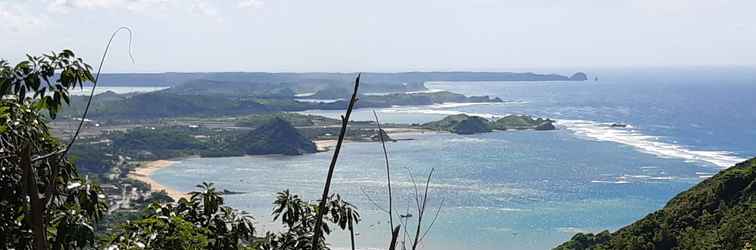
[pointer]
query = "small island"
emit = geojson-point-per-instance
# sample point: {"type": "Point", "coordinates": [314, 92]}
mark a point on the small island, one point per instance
{"type": "Point", "coordinates": [579, 76]}
{"type": "Point", "coordinates": [465, 124]}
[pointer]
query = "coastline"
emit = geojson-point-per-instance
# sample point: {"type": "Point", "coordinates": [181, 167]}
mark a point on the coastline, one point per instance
{"type": "Point", "coordinates": [324, 145]}
{"type": "Point", "coordinates": [144, 173]}
{"type": "Point", "coordinates": [145, 170]}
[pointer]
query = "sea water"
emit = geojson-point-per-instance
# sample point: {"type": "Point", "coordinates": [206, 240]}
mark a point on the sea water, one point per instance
{"type": "Point", "coordinates": [519, 189]}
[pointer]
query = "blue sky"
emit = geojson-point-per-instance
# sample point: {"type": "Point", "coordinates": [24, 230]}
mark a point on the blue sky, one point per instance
{"type": "Point", "coordinates": [386, 35]}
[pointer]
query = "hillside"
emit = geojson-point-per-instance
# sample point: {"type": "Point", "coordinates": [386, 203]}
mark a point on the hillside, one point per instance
{"type": "Point", "coordinates": [187, 100]}
{"type": "Point", "coordinates": [275, 137]}
{"type": "Point", "coordinates": [310, 82]}
{"type": "Point", "coordinates": [718, 213]}
{"type": "Point", "coordinates": [465, 124]}
{"type": "Point", "coordinates": [520, 122]}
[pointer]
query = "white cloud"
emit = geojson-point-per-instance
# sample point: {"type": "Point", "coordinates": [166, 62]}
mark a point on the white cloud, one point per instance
{"type": "Point", "coordinates": [250, 4]}
{"type": "Point", "coordinates": [66, 6]}
{"type": "Point", "coordinates": [205, 8]}
{"type": "Point", "coordinates": [18, 18]}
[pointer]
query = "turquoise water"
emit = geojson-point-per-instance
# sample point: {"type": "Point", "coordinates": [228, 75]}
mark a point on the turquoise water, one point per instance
{"type": "Point", "coordinates": [523, 189]}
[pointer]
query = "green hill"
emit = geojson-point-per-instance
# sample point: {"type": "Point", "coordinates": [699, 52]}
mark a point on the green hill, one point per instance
{"type": "Point", "coordinates": [275, 137]}
{"type": "Point", "coordinates": [718, 213]}
{"type": "Point", "coordinates": [461, 124]}
{"type": "Point", "coordinates": [465, 124]}
{"type": "Point", "coordinates": [520, 122]}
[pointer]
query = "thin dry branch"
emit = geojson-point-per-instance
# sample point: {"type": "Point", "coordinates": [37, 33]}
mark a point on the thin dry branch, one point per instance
{"type": "Point", "coordinates": [438, 210]}
{"type": "Point", "coordinates": [62, 152]}
{"type": "Point", "coordinates": [97, 77]}
{"type": "Point", "coordinates": [417, 191]}
{"type": "Point", "coordinates": [388, 172]}
{"type": "Point", "coordinates": [422, 212]}
{"type": "Point", "coordinates": [375, 204]}
{"type": "Point", "coordinates": [326, 189]}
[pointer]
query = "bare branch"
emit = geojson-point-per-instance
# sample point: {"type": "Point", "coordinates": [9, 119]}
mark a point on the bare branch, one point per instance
{"type": "Point", "coordinates": [438, 210]}
{"type": "Point", "coordinates": [422, 212]}
{"type": "Point", "coordinates": [388, 172]}
{"type": "Point", "coordinates": [326, 189]}
{"type": "Point", "coordinates": [372, 201]}
{"type": "Point", "coordinates": [94, 84]}
{"type": "Point", "coordinates": [417, 191]}
{"type": "Point", "coordinates": [65, 150]}
{"type": "Point", "coordinates": [394, 237]}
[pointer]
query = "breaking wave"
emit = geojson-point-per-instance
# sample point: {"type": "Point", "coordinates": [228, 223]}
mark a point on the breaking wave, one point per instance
{"type": "Point", "coordinates": [647, 144]}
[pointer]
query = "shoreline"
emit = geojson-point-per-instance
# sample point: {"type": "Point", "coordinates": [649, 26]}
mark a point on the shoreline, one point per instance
{"type": "Point", "coordinates": [144, 173]}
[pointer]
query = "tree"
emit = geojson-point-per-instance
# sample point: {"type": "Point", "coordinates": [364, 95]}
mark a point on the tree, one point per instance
{"type": "Point", "coordinates": [200, 222]}
{"type": "Point", "coordinates": [299, 218]}
{"type": "Point", "coordinates": [44, 202]}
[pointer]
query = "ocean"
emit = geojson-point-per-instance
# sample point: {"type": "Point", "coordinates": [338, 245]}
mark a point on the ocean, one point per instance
{"type": "Point", "coordinates": [520, 189]}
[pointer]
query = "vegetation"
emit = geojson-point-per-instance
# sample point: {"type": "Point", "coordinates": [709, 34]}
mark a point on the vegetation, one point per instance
{"type": "Point", "coordinates": [718, 213]}
{"type": "Point", "coordinates": [420, 99]}
{"type": "Point", "coordinates": [295, 119]}
{"type": "Point", "coordinates": [44, 202]}
{"type": "Point", "coordinates": [465, 124]}
{"type": "Point", "coordinates": [312, 82]}
{"type": "Point", "coordinates": [520, 122]}
{"type": "Point", "coordinates": [203, 222]}
{"type": "Point", "coordinates": [274, 137]}
{"type": "Point", "coordinates": [169, 103]}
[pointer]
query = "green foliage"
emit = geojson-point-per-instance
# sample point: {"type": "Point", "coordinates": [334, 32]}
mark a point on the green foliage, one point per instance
{"type": "Point", "coordinates": [299, 218]}
{"type": "Point", "coordinates": [464, 124]}
{"type": "Point", "coordinates": [274, 137]}
{"type": "Point", "coordinates": [718, 213]}
{"type": "Point", "coordinates": [519, 122]}
{"type": "Point", "coordinates": [33, 79]}
{"type": "Point", "coordinates": [202, 222]}
{"type": "Point", "coordinates": [461, 124]}
{"type": "Point", "coordinates": [168, 103]}
{"type": "Point", "coordinates": [159, 197]}
{"type": "Point", "coordinates": [68, 204]}
{"type": "Point", "coordinates": [165, 232]}
{"type": "Point", "coordinates": [294, 118]}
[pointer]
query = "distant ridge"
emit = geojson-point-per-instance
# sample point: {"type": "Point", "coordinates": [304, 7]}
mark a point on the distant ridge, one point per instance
{"type": "Point", "coordinates": [411, 80]}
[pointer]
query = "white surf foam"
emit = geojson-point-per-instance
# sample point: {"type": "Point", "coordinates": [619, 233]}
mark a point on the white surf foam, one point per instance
{"type": "Point", "coordinates": [318, 100]}
{"type": "Point", "coordinates": [440, 109]}
{"type": "Point", "coordinates": [647, 144]}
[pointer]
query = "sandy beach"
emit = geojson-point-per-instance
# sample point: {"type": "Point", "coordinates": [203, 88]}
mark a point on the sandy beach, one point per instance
{"type": "Point", "coordinates": [145, 170]}
{"type": "Point", "coordinates": [325, 145]}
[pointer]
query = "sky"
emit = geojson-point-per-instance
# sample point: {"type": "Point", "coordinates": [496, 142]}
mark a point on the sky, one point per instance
{"type": "Point", "coordinates": [385, 35]}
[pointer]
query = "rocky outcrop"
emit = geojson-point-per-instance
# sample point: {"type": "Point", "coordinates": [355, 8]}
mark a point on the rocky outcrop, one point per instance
{"type": "Point", "coordinates": [579, 76]}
